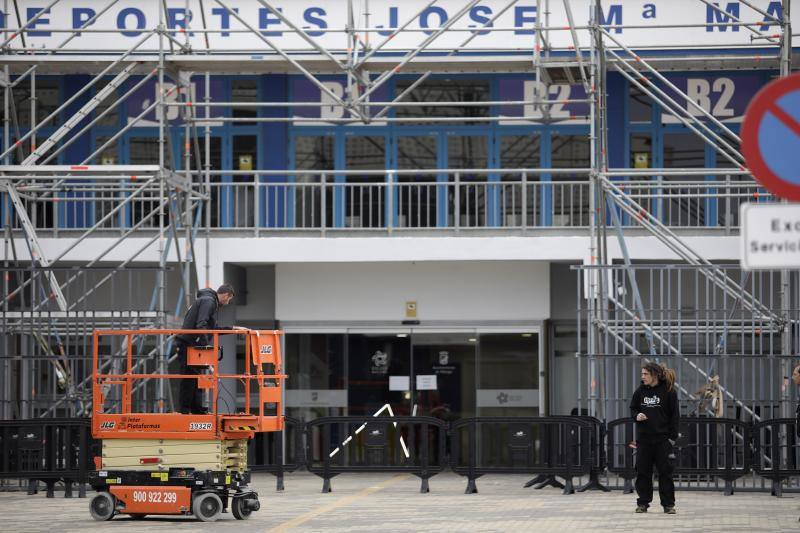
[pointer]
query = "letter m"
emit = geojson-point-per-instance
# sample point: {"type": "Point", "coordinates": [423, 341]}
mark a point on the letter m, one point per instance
{"type": "Point", "coordinates": [715, 15]}
{"type": "Point", "coordinates": [614, 18]}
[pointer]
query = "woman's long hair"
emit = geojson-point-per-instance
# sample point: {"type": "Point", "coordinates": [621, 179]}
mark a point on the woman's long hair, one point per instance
{"type": "Point", "coordinates": [662, 373]}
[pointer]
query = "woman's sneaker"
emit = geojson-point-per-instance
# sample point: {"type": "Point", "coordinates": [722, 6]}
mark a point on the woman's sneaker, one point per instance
{"type": "Point", "coordinates": [670, 510]}
{"type": "Point", "coordinates": [641, 509]}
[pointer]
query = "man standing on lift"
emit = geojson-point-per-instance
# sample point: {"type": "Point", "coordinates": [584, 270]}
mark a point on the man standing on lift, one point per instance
{"type": "Point", "coordinates": [201, 315]}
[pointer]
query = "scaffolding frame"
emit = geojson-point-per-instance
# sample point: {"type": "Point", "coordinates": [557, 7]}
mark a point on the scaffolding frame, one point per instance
{"type": "Point", "coordinates": [183, 195]}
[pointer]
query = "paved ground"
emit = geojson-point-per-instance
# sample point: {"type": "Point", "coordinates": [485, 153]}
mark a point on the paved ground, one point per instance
{"type": "Point", "coordinates": [386, 502]}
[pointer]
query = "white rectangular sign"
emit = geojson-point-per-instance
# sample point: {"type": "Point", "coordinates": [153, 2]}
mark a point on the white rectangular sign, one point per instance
{"type": "Point", "coordinates": [316, 398]}
{"type": "Point", "coordinates": [400, 383]}
{"type": "Point", "coordinates": [508, 398]}
{"type": "Point", "coordinates": [770, 236]}
{"type": "Point", "coordinates": [426, 382]}
{"type": "Point", "coordinates": [236, 24]}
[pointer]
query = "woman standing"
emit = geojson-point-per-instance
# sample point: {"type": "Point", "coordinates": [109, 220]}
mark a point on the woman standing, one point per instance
{"type": "Point", "coordinates": [655, 407]}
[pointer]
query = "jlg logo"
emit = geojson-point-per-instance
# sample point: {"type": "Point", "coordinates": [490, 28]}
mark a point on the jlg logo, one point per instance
{"type": "Point", "coordinates": [107, 425]}
{"type": "Point", "coordinates": [266, 349]}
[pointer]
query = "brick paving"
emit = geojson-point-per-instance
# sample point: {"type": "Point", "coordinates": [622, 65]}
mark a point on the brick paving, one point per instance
{"type": "Point", "coordinates": [388, 502]}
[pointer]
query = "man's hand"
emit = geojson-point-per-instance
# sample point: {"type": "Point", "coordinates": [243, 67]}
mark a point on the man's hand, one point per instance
{"type": "Point", "coordinates": [641, 417]}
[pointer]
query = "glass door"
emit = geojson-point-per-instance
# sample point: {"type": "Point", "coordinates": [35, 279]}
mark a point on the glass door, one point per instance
{"type": "Point", "coordinates": [444, 374]}
{"type": "Point", "coordinates": [509, 366]}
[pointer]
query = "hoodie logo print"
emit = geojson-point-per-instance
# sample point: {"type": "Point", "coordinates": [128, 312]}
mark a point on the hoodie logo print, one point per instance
{"type": "Point", "coordinates": [655, 400]}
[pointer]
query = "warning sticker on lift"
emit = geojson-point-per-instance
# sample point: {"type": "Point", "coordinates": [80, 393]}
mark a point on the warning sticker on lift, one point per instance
{"type": "Point", "coordinates": [201, 426]}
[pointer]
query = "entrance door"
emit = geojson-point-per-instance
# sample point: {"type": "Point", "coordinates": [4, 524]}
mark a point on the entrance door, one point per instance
{"type": "Point", "coordinates": [444, 374]}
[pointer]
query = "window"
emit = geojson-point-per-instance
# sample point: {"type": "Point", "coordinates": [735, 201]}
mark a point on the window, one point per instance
{"type": "Point", "coordinates": [444, 91]}
{"type": "Point", "coordinates": [244, 91]}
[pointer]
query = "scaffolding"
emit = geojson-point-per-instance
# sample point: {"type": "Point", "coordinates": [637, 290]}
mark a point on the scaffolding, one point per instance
{"type": "Point", "coordinates": [176, 201]}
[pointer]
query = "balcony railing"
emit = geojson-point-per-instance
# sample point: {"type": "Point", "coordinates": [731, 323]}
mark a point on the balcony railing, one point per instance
{"type": "Point", "coordinates": [468, 201]}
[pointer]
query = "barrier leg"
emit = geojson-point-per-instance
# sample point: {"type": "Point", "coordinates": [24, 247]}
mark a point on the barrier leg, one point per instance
{"type": "Point", "coordinates": [279, 482]}
{"type": "Point", "coordinates": [326, 484]}
{"type": "Point", "coordinates": [569, 488]}
{"type": "Point", "coordinates": [472, 488]}
{"type": "Point", "coordinates": [68, 488]}
{"type": "Point", "coordinates": [627, 487]}
{"type": "Point", "coordinates": [728, 487]}
{"type": "Point", "coordinates": [51, 488]}
{"type": "Point", "coordinates": [593, 484]}
{"type": "Point", "coordinates": [549, 481]}
{"type": "Point", "coordinates": [33, 486]}
{"type": "Point", "coordinates": [777, 489]}
{"type": "Point", "coordinates": [541, 478]}
{"type": "Point", "coordinates": [81, 490]}
{"type": "Point", "coordinates": [424, 488]}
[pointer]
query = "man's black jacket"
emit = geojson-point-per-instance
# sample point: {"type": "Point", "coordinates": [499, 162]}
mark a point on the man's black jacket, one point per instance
{"type": "Point", "coordinates": [201, 315]}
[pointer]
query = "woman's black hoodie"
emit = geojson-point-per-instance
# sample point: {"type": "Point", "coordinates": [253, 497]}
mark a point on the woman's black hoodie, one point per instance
{"type": "Point", "coordinates": [662, 411]}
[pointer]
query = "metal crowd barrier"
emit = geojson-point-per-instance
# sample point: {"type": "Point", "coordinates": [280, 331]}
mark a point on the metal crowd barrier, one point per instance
{"type": "Point", "coordinates": [413, 444]}
{"type": "Point", "coordinates": [278, 452]}
{"type": "Point", "coordinates": [548, 446]}
{"type": "Point", "coordinates": [707, 448]}
{"type": "Point", "coordinates": [776, 451]}
{"type": "Point", "coordinates": [48, 450]}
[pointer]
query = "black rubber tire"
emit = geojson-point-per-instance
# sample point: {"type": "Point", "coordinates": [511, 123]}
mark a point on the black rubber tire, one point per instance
{"type": "Point", "coordinates": [103, 506]}
{"type": "Point", "coordinates": [240, 510]}
{"type": "Point", "coordinates": [207, 507]}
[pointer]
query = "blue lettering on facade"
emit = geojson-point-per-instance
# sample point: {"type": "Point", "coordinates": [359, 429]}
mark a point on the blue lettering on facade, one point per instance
{"type": "Point", "coordinates": [313, 15]}
{"type": "Point", "coordinates": [715, 15]}
{"type": "Point", "coordinates": [122, 20]}
{"type": "Point", "coordinates": [425, 15]}
{"type": "Point", "coordinates": [81, 15]}
{"type": "Point", "coordinates": [480, 14]}
{"type": "Point", "coordinates": [176, 18]}
{"type": "Point", "coordinates": [774, 9]}
{"type": "Point", "coordinates": [523, 15]}
{"type": "Point", "coordinates": [614, 18]}
{"type": "Point", "coordinates": [224, 19]}
{"type": "Point", "coordinates": [32, 12]}
{"type": "Point", "coordinates": [267, 18]}
{"type": "Point", "coordinates": [392, 22]}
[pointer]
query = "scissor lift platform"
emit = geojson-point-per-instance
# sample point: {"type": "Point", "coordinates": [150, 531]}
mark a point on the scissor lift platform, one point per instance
{"type": "Point", "coordinates": [180, 464]}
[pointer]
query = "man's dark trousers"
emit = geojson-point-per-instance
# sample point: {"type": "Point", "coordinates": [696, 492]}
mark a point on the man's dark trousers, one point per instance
{"type": "Point", "coordinates": [649, 454]}
{"type": "Point", "coordinates": [191, 398]}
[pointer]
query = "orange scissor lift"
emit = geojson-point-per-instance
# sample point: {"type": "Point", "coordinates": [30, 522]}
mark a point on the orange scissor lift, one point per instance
{"type": "Point", "coordinates": [181, 464]}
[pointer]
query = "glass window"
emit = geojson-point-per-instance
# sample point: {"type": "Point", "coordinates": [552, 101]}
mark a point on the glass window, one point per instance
{"type": "Point", "coordinates": [508, 374]}
{"type": "Point", "coordinates": [416, 197]}
{"type": "Point", "coordinates": [365, 153]}
{"type": "Point", "coordinates": [431, 92]}
{"type": "Point", "coordinates": [372, 358]}
{"type": "Point", "coordinates": [318, 369]}
{"type": "Point", "coordinates": [467, 151]}
{"type": "Point", "coordinates": [640, 106]}
{"type": "Point", "coordinates": [111, 118]}
{"type": "Point", "coordinates": [364, 194]}
{"type": "Point", "coordinates": [520, 151]}
{"type": "Point", "coordinates": [418, 152]}
{"type": "Point", "coordinates": [244, 91]}
{"type": "Point", "coordinates": [144, 151]}
{"type": "Point", "coordinates": [451, 358]}
{"type": "Point", "coordinates": [313, 153]}
{"type": "Point", "coordinates": [570, 204]}
{"type": "Point", "coordinates": [684, 150]}
{"type": "Point", "coordinates": [48, 98]}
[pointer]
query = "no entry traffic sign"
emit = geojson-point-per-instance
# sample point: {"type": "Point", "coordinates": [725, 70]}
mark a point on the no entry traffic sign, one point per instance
{"type": "Point", "coordinates": [771, 137]}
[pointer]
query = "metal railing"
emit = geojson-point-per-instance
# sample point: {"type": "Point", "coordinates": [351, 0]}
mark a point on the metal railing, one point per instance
{"type": "Point", "coordinates": [408, 201]}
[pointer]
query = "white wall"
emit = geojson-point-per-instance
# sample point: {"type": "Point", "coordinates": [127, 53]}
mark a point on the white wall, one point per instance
{"type": "Point", "coordinates": [452, 291]}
